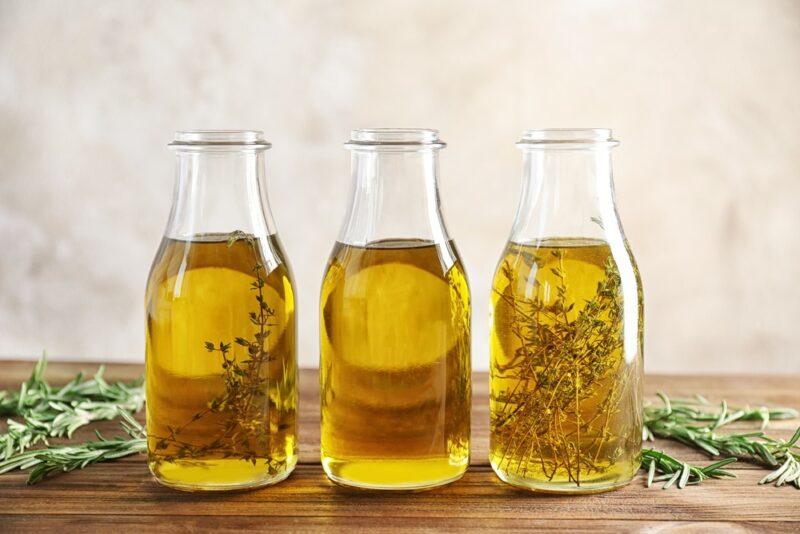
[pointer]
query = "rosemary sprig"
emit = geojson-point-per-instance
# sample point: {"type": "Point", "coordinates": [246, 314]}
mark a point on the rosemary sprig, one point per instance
{"type": "Point", "coordinates": [45, 412]}
{"type": "Point", "coordinates": [63, 458]}
{"type": "Point", "coordinates": [672, 470]}
{"type": "Point", "coordinates": [694, 422]}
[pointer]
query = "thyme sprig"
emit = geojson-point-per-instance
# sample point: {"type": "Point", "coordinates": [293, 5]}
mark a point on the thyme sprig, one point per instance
{"type": "Point", "coordinates": [562, 359]}
{"type": "Point", "coordinates": [242, 402]}
{"type": "Point", "coordinates": [695, 422]}
{"type": "Point", "coordinates": [45, 412]}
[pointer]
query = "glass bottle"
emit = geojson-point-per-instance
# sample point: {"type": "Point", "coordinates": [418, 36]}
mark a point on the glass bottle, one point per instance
{"type": "Point", "coordinates": [394, 325]}
{"type": "Point", "coordinates": [220, 325]}
{"type": "Point", "coordinates": [566, 334]}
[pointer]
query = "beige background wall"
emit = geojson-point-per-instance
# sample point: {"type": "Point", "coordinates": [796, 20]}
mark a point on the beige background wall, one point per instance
{"type": "Point", "coordinates": [705, 96]}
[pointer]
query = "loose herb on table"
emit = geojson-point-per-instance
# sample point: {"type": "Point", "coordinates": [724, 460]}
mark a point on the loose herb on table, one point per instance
{"type": "Point", "coordinates": [40, 412]}
{"type": "Point", "coordinates": [695, 422]}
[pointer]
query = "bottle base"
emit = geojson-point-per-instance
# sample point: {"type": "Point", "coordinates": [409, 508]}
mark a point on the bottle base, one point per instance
{"type": "Point", "coordinates": [562, 488]}
{"type": "Point", "coordinates": [393, 475]}
{"type": "Point", "coordinates": [227, 475]}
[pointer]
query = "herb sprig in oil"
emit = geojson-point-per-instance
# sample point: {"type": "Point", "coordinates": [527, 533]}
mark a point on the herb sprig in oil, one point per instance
{"type": "Point", "coordinates": [244, 433]}
{"type": "Point", "coordinates": [564, 398]}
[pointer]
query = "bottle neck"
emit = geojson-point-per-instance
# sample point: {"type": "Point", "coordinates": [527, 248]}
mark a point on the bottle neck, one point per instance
{"type": "Point", "coordinates": [395, 197]}
{"type": "Point", "coordinates": [566, 194]}
{"type": "Point", "coordinates": [218, 192]}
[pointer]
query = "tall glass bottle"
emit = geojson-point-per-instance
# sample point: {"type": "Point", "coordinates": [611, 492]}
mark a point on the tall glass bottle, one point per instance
{"type": "Point", "coordinates": [220, 325]}
{"type": "Point", "coordinates": [566, 336]}
{"type": "Point", "coordinates": [395, 325]}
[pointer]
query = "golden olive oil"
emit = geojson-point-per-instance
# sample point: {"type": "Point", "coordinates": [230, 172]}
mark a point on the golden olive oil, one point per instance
{"type": "Point", "coordinates": [565, 400]}
{"type": "Point", "coordinates": [221, 372]}
{"type": "Point", "coordinates": [395, 365]}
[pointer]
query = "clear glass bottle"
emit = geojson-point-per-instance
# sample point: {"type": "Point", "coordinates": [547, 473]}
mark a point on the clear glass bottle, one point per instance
{"type": "Point", "coordinates": [395, 325]}
{"type": "Point", "coordinates": [220, 325]}
{"type": "Point", "coordinates": [567, 325]}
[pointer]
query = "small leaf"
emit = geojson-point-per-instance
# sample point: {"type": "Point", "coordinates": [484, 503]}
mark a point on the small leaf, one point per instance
{"type": "Point", "coordinates": [684, 476]}
{"type": "Point", "coordinates": [672, 480]}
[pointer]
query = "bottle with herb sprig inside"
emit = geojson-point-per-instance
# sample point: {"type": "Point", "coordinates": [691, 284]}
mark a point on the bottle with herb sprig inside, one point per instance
{"type": "Point", "coordinates": [220, 325]}
{"type": "Point", "coordinates": [567, 326]}
{"type": "Point", "coordinates": [395, 325]}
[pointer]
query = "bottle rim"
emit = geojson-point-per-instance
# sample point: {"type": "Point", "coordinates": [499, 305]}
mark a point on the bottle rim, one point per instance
{"type": "Point", "coordinates": [566, 138]}
{"type": "Point", "coordinates": [220, 139]}
{"type": "Point", "coordinates": [404, 139]}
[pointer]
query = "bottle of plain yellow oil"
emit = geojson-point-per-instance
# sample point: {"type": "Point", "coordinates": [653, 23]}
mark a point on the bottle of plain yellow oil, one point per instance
{"type": "Point", "coordinates": [566, 333]}
{"type": "Point", "coordinates": [220, 325]}
{"type": "Point", "coordinates": [394, 325]}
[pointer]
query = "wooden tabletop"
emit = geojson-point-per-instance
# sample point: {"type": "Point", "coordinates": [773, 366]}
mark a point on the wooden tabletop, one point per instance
{"type": "Point", "coordinates": [122, 494]}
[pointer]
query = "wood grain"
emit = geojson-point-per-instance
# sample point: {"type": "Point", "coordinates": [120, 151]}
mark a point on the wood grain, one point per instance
{"type": "Point", "coordinates": [122, 494]}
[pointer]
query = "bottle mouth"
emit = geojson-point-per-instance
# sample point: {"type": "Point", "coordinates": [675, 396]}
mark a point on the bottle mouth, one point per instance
{"type": "Point", "coordinates": [220, 139]}
{"type": "Point", "coordinates": [567, 138]}
{"type": "Point", "coordinates": [402, 139]}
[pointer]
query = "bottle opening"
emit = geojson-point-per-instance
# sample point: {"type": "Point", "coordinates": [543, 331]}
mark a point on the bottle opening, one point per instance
{"type": "Point", "coordinates": [248, 139]}
{"type": "Point", "coordinates": [575, 138]}
{"type": "Point", "coordinates": [395, 138]}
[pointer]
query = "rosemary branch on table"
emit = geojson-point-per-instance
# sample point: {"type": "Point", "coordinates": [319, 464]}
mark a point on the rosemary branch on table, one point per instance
{"type": "Point", "coordinates": [694, 422]}
{"type": "Point", "coordinates": [63, 458]}
{"type": "Point", "coordinates": [672, 470]}
{"type": "Point", "coordinates": [44, 412]}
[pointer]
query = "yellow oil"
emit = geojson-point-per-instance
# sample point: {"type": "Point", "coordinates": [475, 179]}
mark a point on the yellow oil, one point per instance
{"type": "Point", "coordinates": [395, 365]}
{"type": "Point", "coordinates": [220, 419]}
{"type": "Point", "coordinates": [565, 401]}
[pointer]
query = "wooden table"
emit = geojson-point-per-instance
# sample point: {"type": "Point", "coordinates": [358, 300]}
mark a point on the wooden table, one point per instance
{"type": "Point", "coordinates": [122, 495]}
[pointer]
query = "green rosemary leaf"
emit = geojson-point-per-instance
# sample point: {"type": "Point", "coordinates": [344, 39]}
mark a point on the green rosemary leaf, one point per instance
{"type": "Point", "coordinates": [705, 446]}
{"type": "Point", "coordinates": [717, 465]}
{"type": "Point", "coordinates": [721, 417]}
{"type": "Point", "coordinates": [671, 480]}
{"type": "Point", "coordinates": [765, 454]}
{"type": "Point", "coordinates": [777, 473]}
{"type": "Point", "coordinates": [666, 401]}
{"type": "Point", "coordinates": [764, 414]}
{"type": "Point", "coordinates": [794, 439]}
